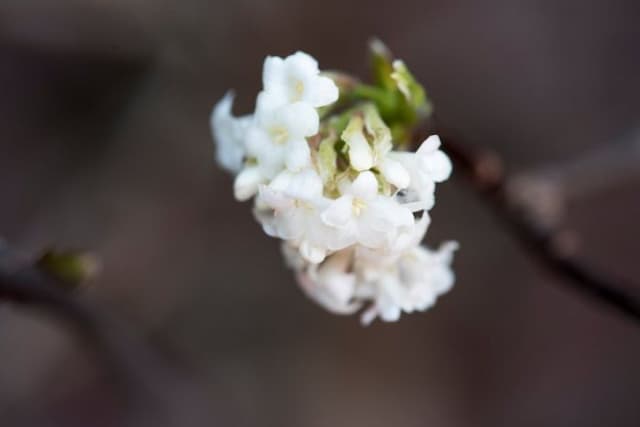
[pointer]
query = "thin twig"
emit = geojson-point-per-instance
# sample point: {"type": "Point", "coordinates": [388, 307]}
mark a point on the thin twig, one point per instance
{"type": "Point", "coordinates": [543, 235]}
{"type": "Point", "coordinates": [596, 170]}
{"type": "Point", "coordinates": [149, 387]}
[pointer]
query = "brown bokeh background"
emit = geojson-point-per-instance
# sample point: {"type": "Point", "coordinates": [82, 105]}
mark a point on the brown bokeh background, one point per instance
{"type": "Point", "coordinates": [105, 144]}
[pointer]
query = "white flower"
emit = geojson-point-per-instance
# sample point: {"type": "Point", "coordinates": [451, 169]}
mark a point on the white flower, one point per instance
{"type": "Point", "coordinates": [407, 238]}
{"type": "Point", "coordinates": [246, 184]}
{"type": "Point", "coordinates": [365, 216]}
{"type": "Point", "coordinates": [364, 155]}
{"type": "Point", "coordinates": [296, 201]}
{"type": "Point", "coordinates": [331, 284]}
{"type": "Point", "coordinates": [296, 79]}
{"type": "Point", "coordinates": [412, 283]}
{"type": "Point", "coordinates": [351, 211]}
{"type": "Point", "coordinates": [426, 167]}
{"type": "Point", "coordinates": [229, 133]}
{"type": "Point", "coordinates": [432, 161]}
{"type": "Point", "coordinates": [278, 137]}
{"type": "Point", "coordinates": [275, 139]}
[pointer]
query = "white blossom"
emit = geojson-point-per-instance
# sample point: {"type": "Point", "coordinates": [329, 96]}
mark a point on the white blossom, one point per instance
{"type": "Point", "coordinates": [229, 133]}
{"type": "Point", "coordinates": [364, 155]}
{"type": "Point", "coordinates": [296, 79]}
{"type": "Point", "coordinates": [331, 284]}
{"type": "Point", "coordinates": [369, 218]}
{"type": "Point", "coordinates": [411, 283]}
{"type": "Point", "coordinates": [296, 201]}
{"type": "Point", "coordinates": [278, 137]}
{"type": "Point", "coordinates": [351, 211]}
{"type": "Point", "coordinates": [426, 167]}
{"type": "Point", "coordinates": [432, 161]}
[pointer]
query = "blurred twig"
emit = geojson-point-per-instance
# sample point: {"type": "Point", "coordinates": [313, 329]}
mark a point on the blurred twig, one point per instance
{"type": "Point", "coordinates": [151, 389]}
{"type": "Point", "coordinates": [532, 210]}
{"type": "Point", "coordinates": [598, 169]}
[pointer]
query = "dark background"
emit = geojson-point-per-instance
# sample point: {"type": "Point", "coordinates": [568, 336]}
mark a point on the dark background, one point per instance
{"type": "Point", "coordinates": [105, 145]}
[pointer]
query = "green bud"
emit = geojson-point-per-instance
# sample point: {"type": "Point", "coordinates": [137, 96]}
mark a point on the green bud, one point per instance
{"type": "Point", "coordinates": [412, 91]}
{"type": "Point", "coordinates": [381, 64]}
{"type": "Point", "coordinates": [377, 129]}
{"type": "Point", "coordinates": [327, 160]}
{"type": "Point", "coordinates": [71, 268]}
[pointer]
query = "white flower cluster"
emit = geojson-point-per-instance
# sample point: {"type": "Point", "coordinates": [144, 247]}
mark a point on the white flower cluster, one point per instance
{"type": "Point", "coordinates": [351, 211]}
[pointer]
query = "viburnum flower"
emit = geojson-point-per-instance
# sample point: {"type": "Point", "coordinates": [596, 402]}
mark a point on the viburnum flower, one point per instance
{"type": "Point", "coordinates": [289, 208]}
{"type": "Point", "coordinates": [410, 283]}
{"type": "Point", "coordinates": [229, 133]}
{"type": "Point", "coordinates": [278, 137]}
{"type": "Point", "coordinates": [330, 179]}
{"type": "Point", "coordinates": [331, 284]}
{"type": "Point", "coordinates": [426, 167]}
{"type": "Point", "coordinates": [297, 79]}
{"type": "Point", "coordinates": [369, 218]}
{"type": "Point", "coordinates": [364, 155]}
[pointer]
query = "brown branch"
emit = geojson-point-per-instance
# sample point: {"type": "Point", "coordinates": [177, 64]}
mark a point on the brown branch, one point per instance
{"type": "Point", "coordinates": [532, 213]}
{"type": "Point", "coordinates": [597, 169]}
{"type": "Point", "coordinates": [151, 389]}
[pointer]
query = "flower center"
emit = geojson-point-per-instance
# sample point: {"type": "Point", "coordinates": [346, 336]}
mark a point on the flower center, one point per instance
{"type": "Point", "coordinates": [298, 90]}
{"type": "Point", "coordinates": [279, 134]}
{"type": "Point", "coordinates": [357, 206]}
{"type": "Point", "coordinates": [302, 204]}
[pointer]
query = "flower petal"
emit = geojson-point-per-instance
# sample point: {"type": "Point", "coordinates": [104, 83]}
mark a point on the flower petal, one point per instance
{"type": "Point", "coordinates": [365, 186]}
{"type": "Point", "coordinates": [429, 145]}
{"type": "Point", "coordinates": [298, 155]}
{"type": "Point", "coordinates": [247, 182]}
{"type": "Point", "coordinates": [300, 119]}
{"type": "Point", "coordinates": [273, 72]}
{"type": "Point", "coordinates": [360, 153]}
{"type": "Point", "coordinates": [311, 253]}
{"type": "Point", "coordinates": [394, 173]}
{"type": "Point", "coordinates": [339, 212]}
{"type": "Point", "coordinates": [302, 64]}
{"type": "Point", "coordinates": [269, 101]}
{"type": "Point", "coordinates": [228, 133]}
{"type": "Point", "coordinates": [323, 92]}
{"type": "Point", "coordinates": [304, 185]}
{"type": "Point", "coordinates": [438, 165]}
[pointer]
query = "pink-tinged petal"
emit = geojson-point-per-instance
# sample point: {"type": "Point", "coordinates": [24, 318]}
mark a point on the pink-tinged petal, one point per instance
{"type": "Point", "coordinates": [338, 284]}
{"type": "Point", "coordinates": [311, 253]}
{"type": "Point", "coordinates": [369, 315]}
{"type": "Point", "coordinates": [317, 292]}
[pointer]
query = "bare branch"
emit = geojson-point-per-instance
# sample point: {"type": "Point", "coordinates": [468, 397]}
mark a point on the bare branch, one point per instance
{"type": "Point", "coordinates": [533, 212]}
{"type": "Point", "coordinates": [149, 387]}
{"type": "Point", "coordinates": [598, 169]}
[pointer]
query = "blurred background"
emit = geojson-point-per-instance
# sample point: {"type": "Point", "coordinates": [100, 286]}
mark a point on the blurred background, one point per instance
{"type": "Point", "coordinates": [105, 145]}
